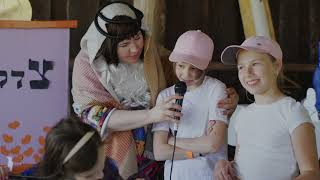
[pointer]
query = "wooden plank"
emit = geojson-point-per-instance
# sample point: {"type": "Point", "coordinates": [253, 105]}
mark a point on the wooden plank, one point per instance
{"type": "Point", "coordinates": [174, 22]}
{"type": "Point", "coordinates": [289, 30]}
{"type": "Point", "coordinates": [194, 15]}
{"type": "Point", "coordinates": [225, 27]}
{"type": "Point", "coordinates": [106, 1]}
{"type": "Point", "coordinates": [303, 41]}
{"type": "Point", "coordinates": [314, 26]}
{"type": "Point", "coordinates": [84, 11]}
{"type": "Point", "coordinates": [274, 10]}
{"type": "Point", "coordinates": [269, 19]}
{"type": "Point", "coordinates": [184, 15]}
{"type": "Point", "coordinates": [60, 9]}
{"type": "Point", "coordinates": [287, 67]}
{"type": "Point", "coordinates": [38, 24]}
{"type": "Point", "coordinates": [41, 9]}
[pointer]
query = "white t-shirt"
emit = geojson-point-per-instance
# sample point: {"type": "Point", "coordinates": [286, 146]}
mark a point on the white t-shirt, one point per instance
{"type": "Point", "coordinates": [199, 106]}
{"type": "Point", "coordinates": [263, 134]}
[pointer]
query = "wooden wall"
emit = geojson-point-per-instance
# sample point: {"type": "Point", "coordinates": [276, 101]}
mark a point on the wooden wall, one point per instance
{"type": "Point", "coordinates": [297, 28]}
{"type": "Point", "coordinates": [296, 23]}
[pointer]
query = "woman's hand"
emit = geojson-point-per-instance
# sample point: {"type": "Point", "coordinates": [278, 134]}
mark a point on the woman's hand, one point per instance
{"type": "Point", "coordinates": [166, 110]}
{"type": "Point", "coordinates": [4, 172]}
{"type": "Point", "coordinates": [230, 103]}
{"type": "Point", "coordinates": [223, 170]}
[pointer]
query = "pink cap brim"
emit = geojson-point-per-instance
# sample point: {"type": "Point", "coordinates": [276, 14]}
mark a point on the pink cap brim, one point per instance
{"type": "Point", "coordinates": [195, 61]}
{"type": "Point", "coordinates": [230, 53]}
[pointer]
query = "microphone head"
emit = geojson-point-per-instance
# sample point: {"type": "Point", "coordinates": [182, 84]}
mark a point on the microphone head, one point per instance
{"type": "Point", "coordinates": [180, 88]}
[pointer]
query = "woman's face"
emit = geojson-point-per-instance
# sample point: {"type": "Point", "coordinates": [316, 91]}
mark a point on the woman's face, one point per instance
{"type": "Point", "coordinates": [96, 172]}
{"type": "Point", "coordinates": [129, 50]}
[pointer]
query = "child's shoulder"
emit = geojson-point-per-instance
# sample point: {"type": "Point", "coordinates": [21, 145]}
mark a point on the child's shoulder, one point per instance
{"type": "Point", "coordinates": [293, 105]}
{"type": "Point", "coordinates": [213, 82]}
{"type": "Point", "coordinates": [284, 104]}
{"type": "Point", "coordinates": [288, 102]}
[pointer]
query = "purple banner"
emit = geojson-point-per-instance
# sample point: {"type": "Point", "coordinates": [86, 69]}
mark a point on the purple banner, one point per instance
{"type": "Point", "coordinates": [33, 90]}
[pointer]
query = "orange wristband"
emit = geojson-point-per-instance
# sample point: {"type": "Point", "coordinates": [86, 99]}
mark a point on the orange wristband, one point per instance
{"type": "Point", "coordinates": [189, 154]}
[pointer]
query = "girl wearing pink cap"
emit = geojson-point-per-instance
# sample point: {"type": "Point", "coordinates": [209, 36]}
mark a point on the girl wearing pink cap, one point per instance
{"type": "Point", "coordinates": [201, 130]}
{"type": "Point", "coordinates": [275, 136]}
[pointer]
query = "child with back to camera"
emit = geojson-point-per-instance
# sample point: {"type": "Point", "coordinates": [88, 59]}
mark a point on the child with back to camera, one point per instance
{"type": "Point", "coordinates": [74, 150]}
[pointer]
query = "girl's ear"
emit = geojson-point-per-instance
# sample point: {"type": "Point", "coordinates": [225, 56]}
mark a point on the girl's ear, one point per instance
{"type": "Point", "coordinates": [277, 67]}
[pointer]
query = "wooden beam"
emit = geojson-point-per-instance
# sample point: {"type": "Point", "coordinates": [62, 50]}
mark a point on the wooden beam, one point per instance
{"type": "Point", "coordinates": [287, 67]}
{"type": "Point", "coordinates": [38, 24]}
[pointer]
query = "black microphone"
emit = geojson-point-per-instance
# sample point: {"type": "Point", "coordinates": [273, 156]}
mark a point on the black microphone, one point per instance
{"type": "Point", "coordinates": [180, 89]}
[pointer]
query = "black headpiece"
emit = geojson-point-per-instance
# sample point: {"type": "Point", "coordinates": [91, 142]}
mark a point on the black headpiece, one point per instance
{"type": "Point", "coordinates": [137, 21]}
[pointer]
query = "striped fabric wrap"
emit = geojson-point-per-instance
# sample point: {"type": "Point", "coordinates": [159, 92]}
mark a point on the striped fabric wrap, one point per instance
{"type": "Point", "coordinates": [95, 102]}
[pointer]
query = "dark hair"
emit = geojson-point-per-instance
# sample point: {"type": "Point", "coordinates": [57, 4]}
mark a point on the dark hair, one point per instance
{"type": "Point", "coordinates": [109, 46]}
{"type": "Point", "coordinates": [59, 142]}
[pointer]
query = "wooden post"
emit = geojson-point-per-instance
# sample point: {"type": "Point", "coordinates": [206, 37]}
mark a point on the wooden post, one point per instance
{"type": "Point", "coordinates": [256, 18]}
{"type": "Point", "coordinates": [154, 17]}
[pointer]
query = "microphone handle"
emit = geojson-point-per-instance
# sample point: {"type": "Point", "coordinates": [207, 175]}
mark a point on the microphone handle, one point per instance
{"type": "Point", "coordinates": [175, 125]}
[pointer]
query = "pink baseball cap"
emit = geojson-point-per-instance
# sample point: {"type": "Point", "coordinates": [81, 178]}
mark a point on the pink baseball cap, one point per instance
{"type": "Point", "coordinates": [259, 44]}
{"type": "Point", "coordinates": [194, 47]}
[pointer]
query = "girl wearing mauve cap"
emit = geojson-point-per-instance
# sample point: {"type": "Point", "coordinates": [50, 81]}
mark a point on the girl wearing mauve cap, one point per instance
{"type": "Point", "coordinates": [275, 136]}
{"type": "Point", "coordinates": [200, 138]}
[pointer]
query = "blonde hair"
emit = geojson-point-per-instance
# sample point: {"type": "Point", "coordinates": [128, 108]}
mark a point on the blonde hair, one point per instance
{"type": "Point", "coordinates": [280, 75]}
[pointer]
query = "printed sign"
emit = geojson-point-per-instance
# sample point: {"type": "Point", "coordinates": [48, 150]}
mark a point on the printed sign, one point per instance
{"type": "Point", "coordinates": [33, 91]}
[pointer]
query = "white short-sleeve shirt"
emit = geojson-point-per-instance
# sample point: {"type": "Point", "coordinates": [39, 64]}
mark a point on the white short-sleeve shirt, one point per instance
{"type": "Point", "coordinates": [199, 106]}
{"type": "Point", "coordinates": [264, 138]}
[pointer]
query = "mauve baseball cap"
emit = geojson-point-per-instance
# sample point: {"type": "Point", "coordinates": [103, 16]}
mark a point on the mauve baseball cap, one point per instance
{"type": "Point", "coordinates": [194, 47]}
{"type": "Point", "coordinates": [259, 44]}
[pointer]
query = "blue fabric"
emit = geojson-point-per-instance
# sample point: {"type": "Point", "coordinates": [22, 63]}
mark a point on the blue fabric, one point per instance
{"type": "Point", "coordinates": [316, 81]}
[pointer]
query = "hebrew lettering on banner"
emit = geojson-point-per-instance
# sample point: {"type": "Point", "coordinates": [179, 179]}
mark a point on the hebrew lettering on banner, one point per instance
{"type": "Point", "coordinates": [4, 77]}
{"type": "Point", "coordinates": [33, 91]}
{"type": "Point", "coordinates": [18, 74]}
{"type": "Point", "coordinates": [44, 82]}
{"type": "Point", "coordinates": [33, 66]}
